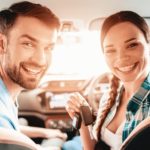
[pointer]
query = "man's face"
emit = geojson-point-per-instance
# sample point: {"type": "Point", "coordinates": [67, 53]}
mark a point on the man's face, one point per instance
{"type": "Point", "coordinates": [29, 50]}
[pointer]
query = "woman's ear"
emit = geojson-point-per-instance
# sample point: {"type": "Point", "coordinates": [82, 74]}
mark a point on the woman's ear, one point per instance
{"type": "Point", "coordinates": [3, 43]}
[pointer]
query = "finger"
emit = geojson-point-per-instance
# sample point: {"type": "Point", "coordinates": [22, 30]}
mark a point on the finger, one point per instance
{"type": "Point", "coordinates": [75, 100]}
{"type": "Point", "coordinates": [78, 99]}
{"type": "Point", "coordinates": [72, 107]}
{"type": "Point", "coordinates": [82, 99]}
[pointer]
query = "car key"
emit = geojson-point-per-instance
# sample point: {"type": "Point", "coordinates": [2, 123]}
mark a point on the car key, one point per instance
{"type": "Point", "coordinates": [76, 123]}
{"type": "Point", "coordinates": [86, 115]}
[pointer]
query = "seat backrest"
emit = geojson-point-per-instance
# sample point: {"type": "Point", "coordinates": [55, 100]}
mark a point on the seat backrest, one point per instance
{"type": "Point", "coordinates": [8, 146]}
{"type": "Point", "coordinates": [139, 137]}
{"type": "Point", "coordinates": [14, 140]}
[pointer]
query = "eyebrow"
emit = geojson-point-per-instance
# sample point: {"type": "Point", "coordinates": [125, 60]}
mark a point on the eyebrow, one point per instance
{"type": "Point", "coordinates": [130, 40]}
{"type": "Point", "coordinates": [111, 45]}
{"type": "Point", "coordinates": [29, 37]}
{"type": "Point", "coordinates": [35, 40]}
{"type": "Point", "coordinates": [107, 46]}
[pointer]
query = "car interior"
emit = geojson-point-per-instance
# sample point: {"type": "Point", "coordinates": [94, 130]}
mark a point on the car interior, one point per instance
{"type": "Point", "coordinates": [13, 140]}
{"type": "Point", "coordinates": [77, 66]}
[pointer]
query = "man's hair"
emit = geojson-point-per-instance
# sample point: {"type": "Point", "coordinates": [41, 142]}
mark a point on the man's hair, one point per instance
{"type": "Point", "coordinates": [9, 16]}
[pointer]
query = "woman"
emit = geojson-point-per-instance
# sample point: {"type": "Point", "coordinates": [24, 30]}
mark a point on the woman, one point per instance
{"type": "Point", "coordinates": [125, 44]}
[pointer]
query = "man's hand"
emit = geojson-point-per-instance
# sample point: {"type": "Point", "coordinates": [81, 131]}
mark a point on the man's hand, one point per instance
{"type": "Point", "coordinates": [34, 132]}
{"type": "Point", "coordinates": [51, 133]}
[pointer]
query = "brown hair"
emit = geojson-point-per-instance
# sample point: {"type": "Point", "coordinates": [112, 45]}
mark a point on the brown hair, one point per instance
{"type": "Point", "coordinates": [103, 112]}
{"type": "Point", "coordinates": [125, 16]}
{"type": "Point", "coordinates": [29, 9]}
{"type": "Point", "coordinates": [119, 17]}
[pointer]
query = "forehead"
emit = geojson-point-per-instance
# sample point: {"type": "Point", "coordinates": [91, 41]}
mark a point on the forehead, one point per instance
{"type": "Point", "coordinates": [122, 31]}
{"type": "Point", "coordinates": [33, 27]}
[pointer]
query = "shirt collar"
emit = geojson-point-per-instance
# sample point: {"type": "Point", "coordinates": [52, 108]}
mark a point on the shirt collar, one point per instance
{"type": "Point", "coordinates": [139, 96]}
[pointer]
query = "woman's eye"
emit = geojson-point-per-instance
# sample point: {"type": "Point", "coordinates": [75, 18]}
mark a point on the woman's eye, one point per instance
{"type": "Point", "coordinates": [132, 45]}
{"type": "Point", "coordinates": [109, 51]}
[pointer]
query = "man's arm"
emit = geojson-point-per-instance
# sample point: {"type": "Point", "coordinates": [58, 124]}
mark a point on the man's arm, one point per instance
{"type": "Point", "coordinates": [33, 132]}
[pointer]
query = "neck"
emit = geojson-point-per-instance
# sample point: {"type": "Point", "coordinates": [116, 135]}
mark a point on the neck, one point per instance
{"type": "Point", "coordinates": [13, 88]}
{"type": "Point", "coordinates": [132, 87]}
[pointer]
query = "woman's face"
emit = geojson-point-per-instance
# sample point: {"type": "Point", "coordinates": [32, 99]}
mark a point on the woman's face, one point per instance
{"type": "Point", "coordinates": [126, 52]}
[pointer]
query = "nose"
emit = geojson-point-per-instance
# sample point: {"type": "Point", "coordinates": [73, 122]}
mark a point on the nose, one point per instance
{"type": "Point", "coordinates": [122, 55]}
{"type": "Point", "coordinates": [39, 57]}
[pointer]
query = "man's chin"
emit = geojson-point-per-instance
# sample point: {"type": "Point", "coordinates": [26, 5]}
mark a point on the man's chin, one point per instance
{"type": "Point", "coordinates": [27, 82]}
{"type": "Point", "coordinates": [29, 85]}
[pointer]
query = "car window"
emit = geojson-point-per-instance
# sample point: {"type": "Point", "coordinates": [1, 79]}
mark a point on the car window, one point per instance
{"type": "Point", "coordinates": [78, 52]}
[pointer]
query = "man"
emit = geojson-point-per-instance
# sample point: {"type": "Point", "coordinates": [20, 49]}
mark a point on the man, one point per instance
{"type": "Point", "coordinates": [28, 33]}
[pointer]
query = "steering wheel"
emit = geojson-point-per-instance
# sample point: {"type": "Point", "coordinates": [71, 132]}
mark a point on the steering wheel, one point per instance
{"type": "Point", "coordinates": [98, 85]}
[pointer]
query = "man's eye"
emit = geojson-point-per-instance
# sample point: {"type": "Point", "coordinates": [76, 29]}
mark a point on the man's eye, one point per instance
{"type": "Point", "coordinates": [29, 44]}
{"type": "Point", "coordinates": [50, 48]}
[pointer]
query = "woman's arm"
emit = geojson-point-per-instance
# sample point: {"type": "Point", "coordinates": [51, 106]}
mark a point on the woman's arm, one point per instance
{"type": "Point", "coordinates": [87, 141]}
{"type": "Point", "coordinates": [73, 106]}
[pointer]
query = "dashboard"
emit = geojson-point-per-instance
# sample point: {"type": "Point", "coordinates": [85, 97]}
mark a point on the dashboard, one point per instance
{"type": "Point", "coordinates": [45, 105]}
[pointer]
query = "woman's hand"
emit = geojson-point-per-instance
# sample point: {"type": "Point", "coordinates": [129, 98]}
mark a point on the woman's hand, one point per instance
{"type": "Point", "coordinates": [74, 102]}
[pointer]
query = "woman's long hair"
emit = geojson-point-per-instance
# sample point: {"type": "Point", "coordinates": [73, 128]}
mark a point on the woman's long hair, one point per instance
{"type": "Point", "coordinates": [102, 113]}
{"type": "Point", "coordinates": [119, 17]}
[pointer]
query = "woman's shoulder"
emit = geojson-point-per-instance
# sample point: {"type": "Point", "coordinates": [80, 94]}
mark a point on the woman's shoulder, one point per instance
{"type": "Point", "coordinates": [104, 99]}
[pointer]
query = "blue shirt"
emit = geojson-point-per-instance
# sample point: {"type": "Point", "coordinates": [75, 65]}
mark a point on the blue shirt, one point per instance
{"type": "Point", "coordinates": [8, 109]}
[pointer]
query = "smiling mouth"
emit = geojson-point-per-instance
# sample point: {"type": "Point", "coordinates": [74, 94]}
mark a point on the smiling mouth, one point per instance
{"type": "Point", "coordinates": [32, 71]}
{"type": "Point", "coordinates": [127, 68]}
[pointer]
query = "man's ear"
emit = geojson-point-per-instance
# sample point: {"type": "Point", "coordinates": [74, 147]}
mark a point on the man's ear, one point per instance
{"type": "Point", "coordinates": [3, 43]}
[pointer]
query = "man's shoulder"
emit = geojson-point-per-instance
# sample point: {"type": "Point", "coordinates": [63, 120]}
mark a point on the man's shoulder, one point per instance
{"type": "Point", "coordinates": [5, 121]}
{"type": "Point", "coordinates": [3, 90]}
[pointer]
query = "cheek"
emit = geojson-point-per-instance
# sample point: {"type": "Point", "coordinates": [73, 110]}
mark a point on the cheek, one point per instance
{"type": "Point", "coordinates": [17, 59]}
{"type": "Point", "coordinates": [143, 51]}
{"type": "Point", "coordinates": [18, 55]}
{"type": "Point", "coordinates": [11, 58]}
{"type": "Point", "coordinates": [49, 59]}
{"type": "Point", "coordinates": [147, 59]}
{"type": "Point", "coordinates": [143, 56]}
{"type": "Point", "coordinates": [109, 60]}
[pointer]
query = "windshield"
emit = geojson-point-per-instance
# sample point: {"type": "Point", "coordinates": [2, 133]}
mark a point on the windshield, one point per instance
{"type": "Point", "coordinates": [78, 52]}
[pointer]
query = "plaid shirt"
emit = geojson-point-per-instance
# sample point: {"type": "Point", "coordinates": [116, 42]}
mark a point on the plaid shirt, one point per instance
{"type": "Point", "coordinates": [138, 108]}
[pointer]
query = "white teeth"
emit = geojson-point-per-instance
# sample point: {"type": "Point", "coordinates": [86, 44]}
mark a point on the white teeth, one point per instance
{"type": "Point", "coordinates": [32, 71]}
{"type": "Point", "coordinates": [127, 68]}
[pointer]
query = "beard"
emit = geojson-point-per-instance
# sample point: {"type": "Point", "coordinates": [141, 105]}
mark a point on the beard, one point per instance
{"type": "Point", "coordinates": [18, 76]}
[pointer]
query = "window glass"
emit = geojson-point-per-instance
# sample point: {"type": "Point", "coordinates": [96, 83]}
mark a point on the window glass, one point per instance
{"type": "Point", "coordinates": [78, 52]}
